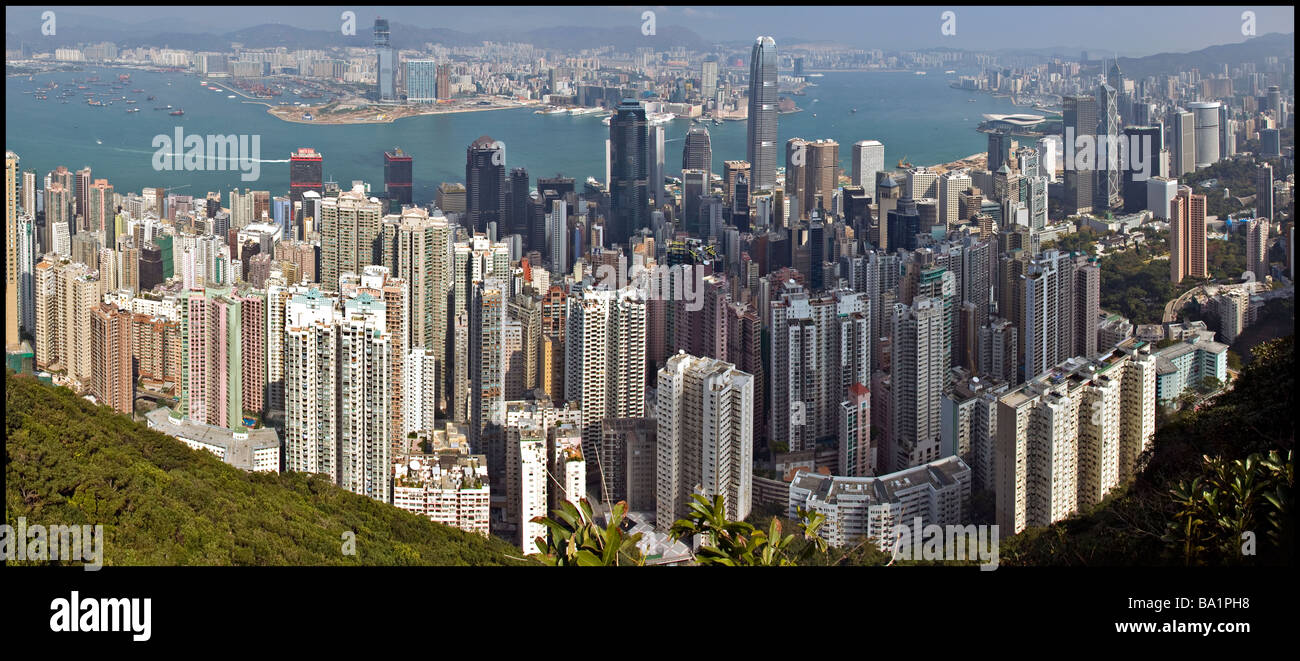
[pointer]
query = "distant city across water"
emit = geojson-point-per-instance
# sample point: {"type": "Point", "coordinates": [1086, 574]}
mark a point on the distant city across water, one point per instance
{"type": "Point", "coordinates": [919, 118]}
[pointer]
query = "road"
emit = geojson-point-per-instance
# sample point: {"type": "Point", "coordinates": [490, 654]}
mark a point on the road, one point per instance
{"type": "Point", "coordinates": [1172, 307]}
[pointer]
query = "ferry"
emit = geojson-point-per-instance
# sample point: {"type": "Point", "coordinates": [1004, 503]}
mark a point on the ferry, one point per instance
{"type": "Point", "coordinates": [950, 71]}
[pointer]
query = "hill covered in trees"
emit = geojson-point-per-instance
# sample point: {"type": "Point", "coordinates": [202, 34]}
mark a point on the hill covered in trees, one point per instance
{"type": "Point", "coordinates": [70, 462]}
{"type": "Point", "coordinates": [1212, 475]}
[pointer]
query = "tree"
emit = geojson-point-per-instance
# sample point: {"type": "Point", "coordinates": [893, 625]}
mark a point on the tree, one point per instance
{"type": "Point", "coordinates": [1220, 509]}
{"type": "Point", "coordinates": [575, 539]}
{"type": "Point", "coordinates": [736, 543]}
{"type": "Point", "coordinates": [1210, 384]}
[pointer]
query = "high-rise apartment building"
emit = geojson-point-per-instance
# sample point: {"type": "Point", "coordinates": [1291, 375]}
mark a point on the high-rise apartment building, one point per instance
{"type": "Point", "coordinates": [351, 226]}
{"type": "Point", "coordinates": [704, 409]}
{"type": "Point", "coordinates": [1187, 236]}
{"type": "Point", "coordinates": [112, 377]}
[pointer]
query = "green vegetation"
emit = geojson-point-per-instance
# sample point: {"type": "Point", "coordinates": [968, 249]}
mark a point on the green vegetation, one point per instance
{"type": "Point", "coordinates": [576, 540]}
{"type": "Point", "coordinates": [70, 462]}
{"type": "Point", "coordinates": [1226, 259]}
{"type": "Point", "coordinates": [1136, 285]}
{"type": "Point", "coordinates": [737, 543]}
{"type": "Point", "coordinates": [1238, 176]}
{"type": "Point", "coordinates": [1213, 473]}
{"type": "Point", "coordinates": [1083, 241]}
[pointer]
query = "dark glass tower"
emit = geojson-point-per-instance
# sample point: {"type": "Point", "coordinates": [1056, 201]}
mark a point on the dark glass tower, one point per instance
{"type": "Point", "coordinates": [1135, 191]}
{"type": "Point", "coordinates": [1079, 118]}
{"type": "Point", "coordinates": [386, 87]}
{"type": "Point", "coordinates": [517, 204]}
{"type": "Point", "coordinates": [305, 167]}
{"type": "Point", "coordinates": [697, 154]}
{"type": "Point", "coordinates": [760, 139]}
{"type": "Point", "coordinates": [397, 177]}
{"type": "Point", "coordinates": [485, 184]}
{"type": "Point", "coordinates": [629, 185]}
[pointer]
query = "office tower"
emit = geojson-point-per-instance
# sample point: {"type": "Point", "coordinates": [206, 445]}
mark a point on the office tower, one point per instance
{"type": "Point", "coordinates": [485, 184]}
{"type": "Point", "coordinates": [1048, 327]}
{"type": "Point", "coordinates": [516, 217]}
{"type": "Point", "coordinates": [820, 177]}
{"type": "Point", "coordinates": [1257, 247]}
{"type": "Point", "coordinates": [1182, 126]}
{"type": "Point", "coordinates": [1080, 118]}
{"type": "Point", "coordinates": [628, 189]}
{"type": "Point", "coordinates": [1187, 236]}
{"type": "Point", "coordinates": [917, 380]}
{"type": "Point", "coordinates": [937, 493]}
{"type": "Point", "coordinates": [888, 193]}
{"type": "Point", "coordinates": [655, 166]}
{"type": "Point", "coordinates": [1227, 132]}
{"type": "Point", "coordinates": [1087, 306]}
{"type": "Point", "coordinates": [760, 137]}
{"type": "Point", "coordinates": [557, 233]}
{"type": "Point", "coordinates": [796, 167]}
{"type": "Point", "coordinates": [704, 408]}
{"type": "Point", "coordinates": [60, 222]}
{"type": "Point", "coordinates": [1205, 116]}
{"type": "Point", "coordinates": [81, 189]}
{"type": "Point", "coordinates": [385, 64]}
{"type": "Point", "coordinates": [868, 159]}
{"type": "Point", "coordinates": [443, 86]}
{"type": "Point", "coordinates": [305, 174]}
{"type": "Point", "coordinates": [11, 249]}
{"type": "Point", "coordinates": [1264, 191]}
{"type": "Point", "coordinates": [697, 154]}
{"type": "Point", "coordinates": [351, 227]}
{"type": "Point", "coordinates": [1160, 194]}
{"type": "Point", "coordinates": [1033, 193]}
{"type": "Point", "coordinates": [731, 170]}
{"type": "Point", "coordinates": [902, 224]}
{"type": "Point", "coordinates": [709, 78]}
{"type": "Point", "coordinates": [605, 359]}
{"type": "Point", "coordinates": [951, 185]}
{"type": "Point", "coordinates": [1049, 154]}
{"type": "Point", "coordinates": [1270, 143]}
{"type": "Point", "coordinates": [397, 178]}
{"type": "Point", "coordinates": [1106, 192]}
{"type": "Point", "coordinates": [1273, 96]}
{"type": "Point", "coordinates": [1150, 140]}
{"type": "Point", "coordinates": [922, 182]}
{"type": "Point", "coordinates": [999, 149]}
{"type": "Point", "coordinates": [857, 456]}
{"type": "Point", "coordinates": [421, 81]}
{"type": "Point", "coordinates": [695, 185]}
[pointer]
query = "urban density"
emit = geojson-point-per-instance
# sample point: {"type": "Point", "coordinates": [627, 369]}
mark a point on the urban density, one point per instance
{"type": "Point", "coordinates": [795, 324]}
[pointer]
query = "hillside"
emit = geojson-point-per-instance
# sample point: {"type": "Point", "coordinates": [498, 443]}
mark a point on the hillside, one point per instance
{"type": "Point", "coordinates": [1131, 527]}
{"type": "Point", "coordinates": [70, 462]}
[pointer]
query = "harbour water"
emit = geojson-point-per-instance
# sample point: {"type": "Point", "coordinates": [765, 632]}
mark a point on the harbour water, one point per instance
{"type": "Point", "coordinates": [916, 117]}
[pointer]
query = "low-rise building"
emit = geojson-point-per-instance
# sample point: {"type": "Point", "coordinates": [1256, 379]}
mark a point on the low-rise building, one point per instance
{"type": "Point", "coordinates": [248, 449]}
{"type": "Point", "coordinates": [1184, 365]}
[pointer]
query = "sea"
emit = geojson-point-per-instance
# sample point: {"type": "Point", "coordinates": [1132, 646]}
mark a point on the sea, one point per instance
{"type": "Point", "coordinates": [919, 118]}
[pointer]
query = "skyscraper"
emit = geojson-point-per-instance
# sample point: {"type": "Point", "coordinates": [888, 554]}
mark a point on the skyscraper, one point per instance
{"type": "Point", "coordinates": [305, 173]}
{"type": "Point", "coordinates": [112, 380]}
{"type": "Point", "coordinates": [1257, 247]}
{"type": "Point", "coordinates": [1106, 194]}
{"type": "Point", "coordinates": [485, 184]}
{"type": "Point", "coordinates": [709, 78]}
{"type": "Point", "coordinates": [351, 226]}
{"type": "Point", "coordinates": [999, 149]}
{"type": "Point", "coordinates": [705, 440]}
{"type": "Point", "coordinates": [1151, 141]}
{"type": "Point", "coordinates": [421, 81]}
{"type": "Point", "coordinates": [1187, 236]}
{"type": "Point", "coordinates": [919, 364]}
{"type": "Point", "coordinates": [1048, 326]}
{"type": "Point", "coordinates": [385, 65]}
{"type": "Point", "coordinates": [605, 359]}
{"type": "Point", "coordinates": [1264, 191]}
{"type": "Point", "coordinates": [760, 140]}
{"type": "Point", "coordinates": [629, 185]}
{"type": "Point", "coordinates": [655, 166]}
{"type": "Point", "coordinates": [397, 178]}
{"type": "Point", "coordinates": [1080, 119]}
{"type": "Point", "coordinates": [697, 153]}
{"type": "Point", "coordinates": [1182, 142]}
{"type": "Point", "coordinates": [1205, 117]}
{"type": "Point", "coordinates": [868, 159]}
{"type": "Point", "coordinates": [11, 249]}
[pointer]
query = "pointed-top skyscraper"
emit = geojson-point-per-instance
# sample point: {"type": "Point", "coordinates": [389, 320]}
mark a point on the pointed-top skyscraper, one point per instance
{"type": "Point", "coordinates": [761, 137]}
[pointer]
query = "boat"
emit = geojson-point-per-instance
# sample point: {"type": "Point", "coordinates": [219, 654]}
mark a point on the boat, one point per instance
{"type": "Point", "coordinates": [230, 96]}
{"type": "Point", "coordinates": [920, 73]}
{"type": "Point", "coordinates": [136, 91]}
{"type": "Point", "coordinates": [133, 110]}
{"type": "Point", "coordinates": [853, 109]}
{"type": "Point", "coordinates": [98, 141]}
{"type": "Point", "coordinates": [176, 113]}
{"type": "Point", "coordinates": [152, 98]}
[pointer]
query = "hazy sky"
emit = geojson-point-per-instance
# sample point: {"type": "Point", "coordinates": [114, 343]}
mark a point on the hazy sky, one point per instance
{"type": "Point", "coordinates": [1132, 31]}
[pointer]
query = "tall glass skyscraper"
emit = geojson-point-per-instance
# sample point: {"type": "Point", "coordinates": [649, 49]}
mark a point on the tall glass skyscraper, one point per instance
{"type": "Point", "coordinates": [761, 137]}
{"type": "Point", "coordinates": [1107, 191]}
{"type": "Point", "coordinates": [629, 188]}
{"type": "Point", "coordinates": [386, 87]}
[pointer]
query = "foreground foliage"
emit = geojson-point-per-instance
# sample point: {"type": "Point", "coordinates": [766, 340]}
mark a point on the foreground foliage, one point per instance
{"type": "Point", "coordinates": [70, 462]}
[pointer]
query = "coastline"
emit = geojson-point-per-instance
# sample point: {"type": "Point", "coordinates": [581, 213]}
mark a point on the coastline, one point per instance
{"type": "Point", "coordinates": [278, 113]}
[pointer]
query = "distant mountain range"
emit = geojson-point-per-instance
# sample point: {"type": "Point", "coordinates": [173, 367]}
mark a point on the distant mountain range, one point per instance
{"type": "Point", "coordinates": [77, 29]}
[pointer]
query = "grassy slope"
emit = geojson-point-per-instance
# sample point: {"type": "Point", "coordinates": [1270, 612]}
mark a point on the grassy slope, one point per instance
{"type": "Point", "coordinates": [70, 462]}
